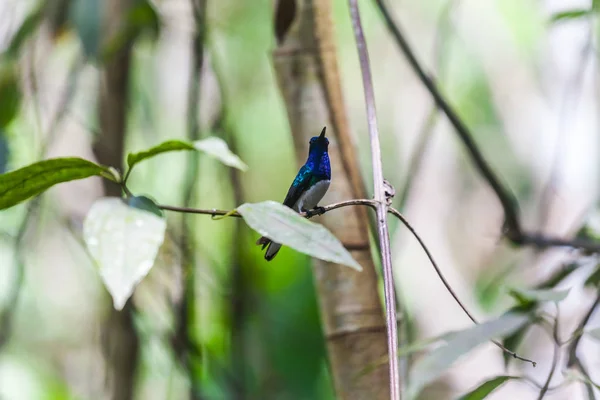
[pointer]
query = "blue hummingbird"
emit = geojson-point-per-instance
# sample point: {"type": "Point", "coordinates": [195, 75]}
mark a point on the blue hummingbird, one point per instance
{"type": "Point", "coordinates": [309, 187]}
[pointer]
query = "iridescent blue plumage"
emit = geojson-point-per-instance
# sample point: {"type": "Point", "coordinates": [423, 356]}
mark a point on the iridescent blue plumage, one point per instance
{"type": "Point", "coordinates": [309, 186]}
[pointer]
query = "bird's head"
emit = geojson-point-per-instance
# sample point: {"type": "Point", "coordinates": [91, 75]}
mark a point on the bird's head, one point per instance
{"type": "Point", "coordinates": [319, 143]}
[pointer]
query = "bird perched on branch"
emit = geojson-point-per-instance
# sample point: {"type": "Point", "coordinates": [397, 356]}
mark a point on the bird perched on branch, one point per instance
{"type": "Point", "coordinates": [309, 187]}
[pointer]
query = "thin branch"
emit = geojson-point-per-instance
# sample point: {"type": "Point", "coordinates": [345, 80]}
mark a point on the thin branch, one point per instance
{"type": "Point", "coordinates": [572, 349]}
{"type": "Point", "coordinates": [425, 134]}
{"type": "Point", "coordinates": [232, 213]}
{"type": "Point", "coordinates": [555, 356]}
{"type": "Point", "coordinates": [401, 217]}
{"type": "Point", "coordinates": [513, 231]}
{"type": "Point", "coordinates": [573, 88]}
{"type": "Point", "coordinates": [509, 202]}
{"type": "Point", "coordinates": [380, 197]}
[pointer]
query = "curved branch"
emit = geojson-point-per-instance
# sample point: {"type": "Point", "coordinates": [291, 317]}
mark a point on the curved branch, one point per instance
{"type": "Point", "coordinates": [555, 355]}
{"type": "Point", "coordinates": [401, 217]}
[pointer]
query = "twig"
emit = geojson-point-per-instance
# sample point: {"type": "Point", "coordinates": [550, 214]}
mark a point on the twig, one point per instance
{"type": "Point", "coordinates": [380, 198]}
{"type": "Point", "coordinates": [572, 87]}
{"type": "Point", "coordinates": [572, 349]}
{"type": "Point", "coordinates": [232, 213]}
{"type": "Point", "coordinates": [509, 203]}
{"type": "Point", "coordinates": [555, 355]}
{"type": "Point", "coordinates": [397, 214]}
{"type": "Point", "coordinates": [425, 134]}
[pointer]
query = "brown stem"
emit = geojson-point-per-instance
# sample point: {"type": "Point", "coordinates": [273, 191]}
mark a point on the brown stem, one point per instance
{"type": "Point", "coordinates": [120, 339]}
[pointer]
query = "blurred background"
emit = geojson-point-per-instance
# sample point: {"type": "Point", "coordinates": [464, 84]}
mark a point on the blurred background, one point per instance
{"type": "Point", "coordinates": [526, 85]}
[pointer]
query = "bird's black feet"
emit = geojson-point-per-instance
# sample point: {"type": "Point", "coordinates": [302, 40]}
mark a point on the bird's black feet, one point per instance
{"type": "Point", "coordinates": [315, 211]}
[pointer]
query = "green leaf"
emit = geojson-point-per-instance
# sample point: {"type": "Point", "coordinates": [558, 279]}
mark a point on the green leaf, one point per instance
{"type": "Point", "coordinates": [124, 242]}
{"type": "Point", "coordinates": [432, 365]}
{"type": "Point", "coordinates": [539, 294]}
{"type": "Point", "coordinates": [283, 225]}
{"type": "Point", "coordinates": [594, 278]}
{"type": "Point", "coordinates": [570, 15]}
{"type": "Point", "coordinates": [218, 149]}
{"type": "Point", "coordinates": [28, 26]}
{"type": "Point", "coordinates": [85, 16]}
{"type": "Point", "coordinates": [487, 387]}
{"type": "Point", "coordinates": [558, 276]}
{"type": "Point", "coordinates": [145, 203]}
{"type": "Point", "coordinates": [19, 185]}
{"type": "Point", "coordinates": [170, 145]}
{"type": "Point", "coordinates": [212, 146]}
{"type": "Point", "coordinates": [10, 93]}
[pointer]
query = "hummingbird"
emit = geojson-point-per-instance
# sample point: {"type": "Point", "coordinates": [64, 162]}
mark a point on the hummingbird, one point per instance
{"type": "Point", "coordinates": [308, 188]}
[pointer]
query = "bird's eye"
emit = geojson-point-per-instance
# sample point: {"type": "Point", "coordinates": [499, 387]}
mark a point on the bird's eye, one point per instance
{"type": "Point", "coordinates": [312, 140]}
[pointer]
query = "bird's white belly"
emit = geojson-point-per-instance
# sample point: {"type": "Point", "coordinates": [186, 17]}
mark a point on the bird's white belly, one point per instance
{"type": "Point", "coordinates": [310, 199]}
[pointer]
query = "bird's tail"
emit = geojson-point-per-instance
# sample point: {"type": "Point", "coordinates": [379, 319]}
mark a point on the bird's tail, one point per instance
{"type": "Point", "coordinates": [272, 247]}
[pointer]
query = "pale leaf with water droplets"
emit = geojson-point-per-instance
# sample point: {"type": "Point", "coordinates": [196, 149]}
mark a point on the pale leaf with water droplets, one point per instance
{"type": "Point", "coordinates": [124, 242]}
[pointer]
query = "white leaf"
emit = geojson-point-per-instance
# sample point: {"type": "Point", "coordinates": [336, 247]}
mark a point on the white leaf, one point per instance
{"type": "Point", "coordinates": [432, 365]}
{"type": "Point", "coordinates": [218, 149]}
{"type": "Point", "coordinates": [283, 225]}
{"type": "Point", "coordinates": [123, 241]}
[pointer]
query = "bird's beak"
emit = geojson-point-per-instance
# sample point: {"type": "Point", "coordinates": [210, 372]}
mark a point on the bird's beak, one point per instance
{"type": "Point", "coordinates": [322, 135]}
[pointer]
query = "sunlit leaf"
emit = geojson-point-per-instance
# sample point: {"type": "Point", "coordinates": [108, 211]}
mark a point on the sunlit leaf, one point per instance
{"type": "Point", "coordinates": [21, 184]}
{"type": "Point", "coordinates": [10, 93]}
{"type": "Point", "coordinates": [124, 242]}
{"type": "Point", "coordinates": [86, 17]}
{"type": "Point", "coordinates": [571, 15]}
{"type": "Point", "coordinates": [218, 149]}
{"type": "Point", "coordinates": [540, 294]}
{"type": "Point", "coordinates": [435, 363]}
{"type": "Point", "coordinates": [283, 225]}
{"type": "Point", "coordinates": [487, 387]}
{"type": "Point", "coordinates": [212, 146]}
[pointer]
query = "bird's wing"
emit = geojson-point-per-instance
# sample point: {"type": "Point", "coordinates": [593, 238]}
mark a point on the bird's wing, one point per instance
{"type": "Point", "coordinates": [299, 186]}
